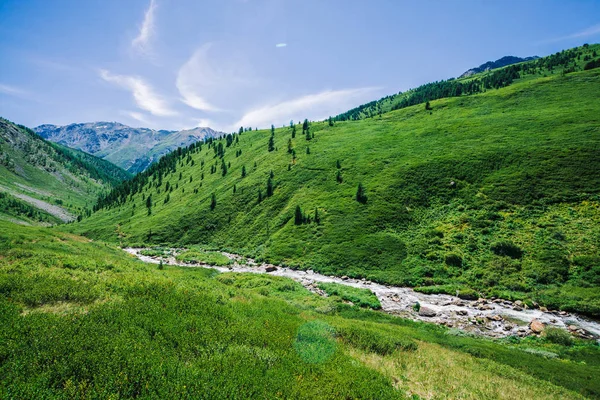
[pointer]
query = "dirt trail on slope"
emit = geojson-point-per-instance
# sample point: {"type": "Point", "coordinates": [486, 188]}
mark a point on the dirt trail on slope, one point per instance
{"type": "Point", "coordinates": [56, 211]}
{"type": "Point", "coordinates": [487, 317]}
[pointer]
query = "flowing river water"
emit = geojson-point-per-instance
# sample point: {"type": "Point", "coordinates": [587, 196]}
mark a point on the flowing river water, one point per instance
{"type": "Point", "coordinates": [488, 317]}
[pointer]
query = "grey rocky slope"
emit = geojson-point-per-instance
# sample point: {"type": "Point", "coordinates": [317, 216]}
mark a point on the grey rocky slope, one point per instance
{"type": "Point", "coordinates": [132, 149]}
{"type": "Point", "coordinates": [501, 62]}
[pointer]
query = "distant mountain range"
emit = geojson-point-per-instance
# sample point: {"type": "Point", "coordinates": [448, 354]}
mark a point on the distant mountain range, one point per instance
{"type": "Point", "coordinates": [44, 182]}
{"type": "Point", "coordinates": [132, 149]}
{"type": "Point", "coordinates": [502, 62]}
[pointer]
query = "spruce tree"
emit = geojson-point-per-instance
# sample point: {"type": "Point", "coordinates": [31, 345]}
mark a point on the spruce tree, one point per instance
{"type": "Point", "coordinates": [269, 187]}
{"type": "Point", "coordinates": [260, 198]}
{"type": "Point", "coordinates": [298, 217]}
{"type": "Point", "coordinates": [290, 146]}
{"type": "Point", "coordinates": [243, 171]}
{"type": "Point", "coordinates": [272, 143]}
{"type": "Point", "coordinates": [213, 201]}
{"type": "Point", "coordinates": [361, 196]}
{"type": "Point", "coordinates": [330, 121]}
{"type": "Point", "coordinates": [338, 165]}
{"type": "Point", "coordinates": [339, 177]}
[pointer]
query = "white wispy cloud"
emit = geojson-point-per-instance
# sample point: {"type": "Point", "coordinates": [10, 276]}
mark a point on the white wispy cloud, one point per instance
{"type": "Point", "coordinates": [14, 91]}
{"type": "Point", "coordinates": [138, 116]}
{"type": "Point", "coordinates": [144, 95]}
{"type": "Point", "coordinates": [281, 45]}
{"type": "Point", "coordinates": [195, 76]}
{"type": "Point", "coordinates": [591, 31]}
{"type": "Point", "coordinates": [313, 106]}
{"type": "Point", "coordinates": [141, 42]}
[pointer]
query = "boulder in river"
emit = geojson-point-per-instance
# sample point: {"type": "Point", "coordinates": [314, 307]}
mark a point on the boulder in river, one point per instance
{"type": "Point", "coordinates": [271, 268]}
{"type": "Point", "coordinates": [536, 326]}
{"type": "Point", "coordinates": [426, 312]}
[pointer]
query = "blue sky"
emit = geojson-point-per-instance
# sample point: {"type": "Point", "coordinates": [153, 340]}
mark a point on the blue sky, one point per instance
{"type": "Point", "coordinates": [175, 64]}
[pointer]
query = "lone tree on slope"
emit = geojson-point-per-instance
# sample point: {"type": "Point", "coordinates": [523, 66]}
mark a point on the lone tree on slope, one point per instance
{"type": "Point", "coordinates": [361, 196]}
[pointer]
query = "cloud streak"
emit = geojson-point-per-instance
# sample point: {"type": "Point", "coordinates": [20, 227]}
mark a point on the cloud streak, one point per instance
{"type": "Point", "coordinates": [195, 76]}
{"type": "Point", "coordinates": [314, 106]}
{"type": "Point", "coordinates": [14, 91]}
{"type": "Point", "coordinates": [281, 45]}
{"type": "Point", "coordinates": [591, 31]}
{"type": "Point", "coordinates": [141, 43]}
{"type": "Point", "coordinates": [143, 94]}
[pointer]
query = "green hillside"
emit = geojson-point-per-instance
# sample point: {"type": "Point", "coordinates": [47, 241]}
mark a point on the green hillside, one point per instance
{"type": "Point", "coordinates": [494, 194]}
{"type": "Point", "coordinates": [43, 182]}
{"type": "Point", "coordinates": [82, 319]}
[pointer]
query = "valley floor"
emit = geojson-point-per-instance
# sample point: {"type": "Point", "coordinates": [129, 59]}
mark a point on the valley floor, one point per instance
{"type": "Point", "coordinates": [492, 318]}
{"type": "Point", "coordinates": [82, 319]}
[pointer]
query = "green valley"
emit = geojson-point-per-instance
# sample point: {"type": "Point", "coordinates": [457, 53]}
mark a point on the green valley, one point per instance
{"type": "Point", "coordinates": [443, 242]}
{"type": "Point", "coordinates": [43, 182]}
{"type": "Point", "coordinates": [492, 194]}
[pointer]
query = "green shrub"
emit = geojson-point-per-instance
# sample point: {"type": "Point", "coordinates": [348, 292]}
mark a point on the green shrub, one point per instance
{"type": "Point", "coordinates": [373, 340]}
{"type": "Point", "coordinates": [558, 336]}
{"type": "Point", "coordinates": [360, 297]}
{"type": "Point", "coordinates": [506, 248]}
{"type": "Point", "coordinates": [453, 260]}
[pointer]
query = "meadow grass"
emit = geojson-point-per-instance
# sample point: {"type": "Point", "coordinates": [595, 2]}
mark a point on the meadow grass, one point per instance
{"type": "Point", "coordinates": [83, 319]}
{"type": "Point", "coordinates": [197, 255]}
{"type": "Point", "coordinates": [358, 296]}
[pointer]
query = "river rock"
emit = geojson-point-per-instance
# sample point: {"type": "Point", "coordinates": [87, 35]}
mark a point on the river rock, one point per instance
{"type": "Point", "coordinates": [572, 327]}
{"type": "Point", "coordinates": [344, 278]}
{"type": "Point", "coordinates": [536, 326]}
{"type": "Point", "coordinates": [426, 312]}
{"type": "Point", "coordinates": [543, 309]}
{"type": "Point", "coordinates": [271, 268]}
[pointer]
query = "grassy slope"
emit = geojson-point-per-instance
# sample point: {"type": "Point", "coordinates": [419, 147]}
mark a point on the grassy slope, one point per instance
{"type": "Point", "coordinates": [81, 319]}
{"type": "Point", "coordinates": [52, 173]}
{"type": "Point", "coordinates": [524, 160]}
{"type": "Point", "coordinates": [389, 103]}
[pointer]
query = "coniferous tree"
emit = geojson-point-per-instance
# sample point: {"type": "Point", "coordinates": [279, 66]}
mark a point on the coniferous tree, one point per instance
{"type": "Point", "coordinates": [272, 143]}
{"type": "Point", "coordinates": [269, 187]}
{"type": "Point", "coordinates": [213, 201]}
{"type": "Point", "coordinates": [243, 171]}
{"type": "Point", "coordinates": [149, 204]}
{"type": "Point", "coordinates": [339, 177]}
{"type": "Point", "coordinates": [271, 174]}
{"type": "Point", "coordinates": [317, 217]}
{"type": "Point", "coordinates": [260, 198]}
{"type": "Point", "coordinates": [298, 217]}
{"type": "Point", "coordinates": [338, 165]}
{"type": "Point", "coordinates": [330, 121]}
{"type": "Point", "coordinates": [307, 150]}
{"type": "Point", "coordinates": [223, 167]}
{"type": "Point", "coordinates": [293, 131]}
{"type": "Point", "coordinates": [272, 130]}
{"type": "Point", "coordinates": [361, 195]}
{"type": "Point", "coordinates": [290, 146]}
{"type": "Point", "coordinates": [234, 188]}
